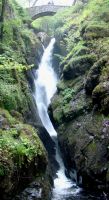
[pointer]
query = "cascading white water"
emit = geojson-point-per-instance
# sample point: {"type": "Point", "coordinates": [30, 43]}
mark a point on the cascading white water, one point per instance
{"type": "Point", "coordinates": [45, 87]}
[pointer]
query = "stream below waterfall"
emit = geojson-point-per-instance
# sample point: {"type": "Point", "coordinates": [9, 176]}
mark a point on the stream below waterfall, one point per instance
{"type": "Point", "coordinates": [45, 87]}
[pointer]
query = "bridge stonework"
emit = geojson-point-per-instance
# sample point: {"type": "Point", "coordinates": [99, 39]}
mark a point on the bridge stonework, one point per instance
{"type": "Point", "coordinates": [39, 11]}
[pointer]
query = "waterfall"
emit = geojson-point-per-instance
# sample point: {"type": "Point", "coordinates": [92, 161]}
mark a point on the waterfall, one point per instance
{"type": "Point", "coordinates": [45, 87]}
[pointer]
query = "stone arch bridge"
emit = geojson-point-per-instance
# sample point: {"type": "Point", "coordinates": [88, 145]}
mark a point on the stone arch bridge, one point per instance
{"type": "Point", "coordinates": [44, 10]}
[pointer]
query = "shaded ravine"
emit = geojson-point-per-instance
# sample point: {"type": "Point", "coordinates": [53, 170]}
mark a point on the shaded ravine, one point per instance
{"type": "Point", "coordinates": [45, 88]}
{"type": "Point", "coordinates": [45, 80]}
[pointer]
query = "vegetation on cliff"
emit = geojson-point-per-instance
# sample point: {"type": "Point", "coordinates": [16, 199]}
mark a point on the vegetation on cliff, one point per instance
{"type": "Point", "coordinates": [22, 155]}
{"type": "Point", "coordinates": [81, 105]}
{"type": "Point", "coordinates": [23, 158]}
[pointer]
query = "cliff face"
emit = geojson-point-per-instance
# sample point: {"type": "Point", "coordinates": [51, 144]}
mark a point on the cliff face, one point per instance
{"type": "Point", "coordinates": [81, 105]}
{"type": "Point", "coordinates": [19, 48]}
{"type": "Point", "coordinates": [23, 158]}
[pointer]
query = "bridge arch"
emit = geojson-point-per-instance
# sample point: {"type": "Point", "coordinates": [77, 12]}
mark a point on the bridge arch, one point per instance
{"type": "Point", "coordinates": [42, 14]}
{"type": "Point", "coordinates": [44, 10]}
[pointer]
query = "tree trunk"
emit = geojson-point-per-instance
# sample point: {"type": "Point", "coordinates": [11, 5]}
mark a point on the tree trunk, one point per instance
{"type": "Point", "coordinates": [34, 3]}
{"type": "Point", "coordinates": [2, 19]}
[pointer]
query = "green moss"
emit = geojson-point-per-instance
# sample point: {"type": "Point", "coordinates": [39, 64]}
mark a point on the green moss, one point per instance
{"type": "Point", "coordinates": [20, 142]}
{"type": "Point", "coordinates": [92, 147]}
{"type": "Point", "coordinates": [96, 29]}
{"type": "Point", "coordinates": [67, 109]}
{"type": "Point", "coordinates": [94, 74]}
{"type": "Point", "coordinates": [101, 89]}
{"type": "Point", "coordinates": [14, 32]}
{"type": "Point", "coordinates": [14, 91]}
{"type": "Point", "coordinates": [14, 94]}
{"type": "Point", "coordinates": [78, 66]}
{"type": "Point", "coordinates": [105, 74]}
{"type": "Point", "coordinates": [61, 85]}
{"type": "Point", "coordinates": [79, 49]}
{"type": "Point", "coordinates": [100, 96]}
{"type": "Point", "coordinates": [82, 129]}
{"type": "Point", "coordinates": [58, 115]}
{"type": "Point", "coordinates": [57, 101]}
{"type": "Point", "coordinates": [10, 120]}
{"type": "Point", "coordinates": [22, 155]}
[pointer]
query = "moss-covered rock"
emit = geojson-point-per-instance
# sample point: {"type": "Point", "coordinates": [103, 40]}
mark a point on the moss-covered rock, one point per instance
{"type": "Point", "coordinates": [85, 145]}
{"type": "Point", "coordinates": [82, 115]}
{"type": "Point", "coordinates": [17, 40]}
{"type": "Point", "coordinates": [96, 29]}
{"type": "Point", "coordinates": [15, 93]}
{"type": "Point", "coordinates": [20, 50]}
{"type": "Point", "coordinates": [78, 66]}
{"type": "Point", "coordinates": [94, 74]}
{"type": "Point", "coordinates": [70, 101]}
{"type": "Point", "coordinates": [22, 155]}
{"type": "Point", "coordinates": [23, 158]}
{"type": "Point", "coordinates": [100, 96]}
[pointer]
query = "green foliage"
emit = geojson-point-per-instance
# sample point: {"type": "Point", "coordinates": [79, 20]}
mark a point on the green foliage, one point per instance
{"type": "Point", "coordinates": [14, 92]}
{"type": "Point", "coordinates": [10, 96]}
{"type": "Point", "coordinates": [7, 63]}
{"type": "Point", "coordinates": [13, 43]}
{"type": "Point", "coordinates": [61, 104]}
{"type": "Point", "coordinates": [10, 120]}
{"type": "Point", "coordinates": [78, 49]}
{"type": "Point", "coordinates": [20, 147]}
{"type": "Point", "coordinates": [19, 11]}
{"type": "Point", "coordinates": [78, 65]}
{"type": "Point", "coordinates": [17, 143]}
{"type": "Point", "coordinates": [68, 23]}
{"type": "Point", "coordinates": [43, 24]}
{"type": "Point", "coordinates": [67, 95]}
{"type": "Point", "coordinates": [84, 33]}
{"type": "Point", "coordinates": [52, 25]}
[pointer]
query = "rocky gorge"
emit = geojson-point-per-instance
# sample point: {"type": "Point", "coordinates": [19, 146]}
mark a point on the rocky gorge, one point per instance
{"type": "Point", "coordinates": [23, 158]}
{"type": "Point", "coordinates": [79, 109]}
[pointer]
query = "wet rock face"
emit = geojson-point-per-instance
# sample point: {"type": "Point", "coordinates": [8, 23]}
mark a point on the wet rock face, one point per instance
{"type": "Point", "coordinates": [35, 191]}
{"type": "Point", "coordinates": [78, 66]}
{"type": "Point", "coordinates": [85, 146]}
{"type": "Point", "coordinates": [100, 96]}
{"type": "Point", "coordinates": [83, 134]}
{"type": "Point", "coordinates": [83, 131]}
{"type": "Point", "coordinates": [93, 76]}
{"type": "Point", "coordinates": [44, 38]}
